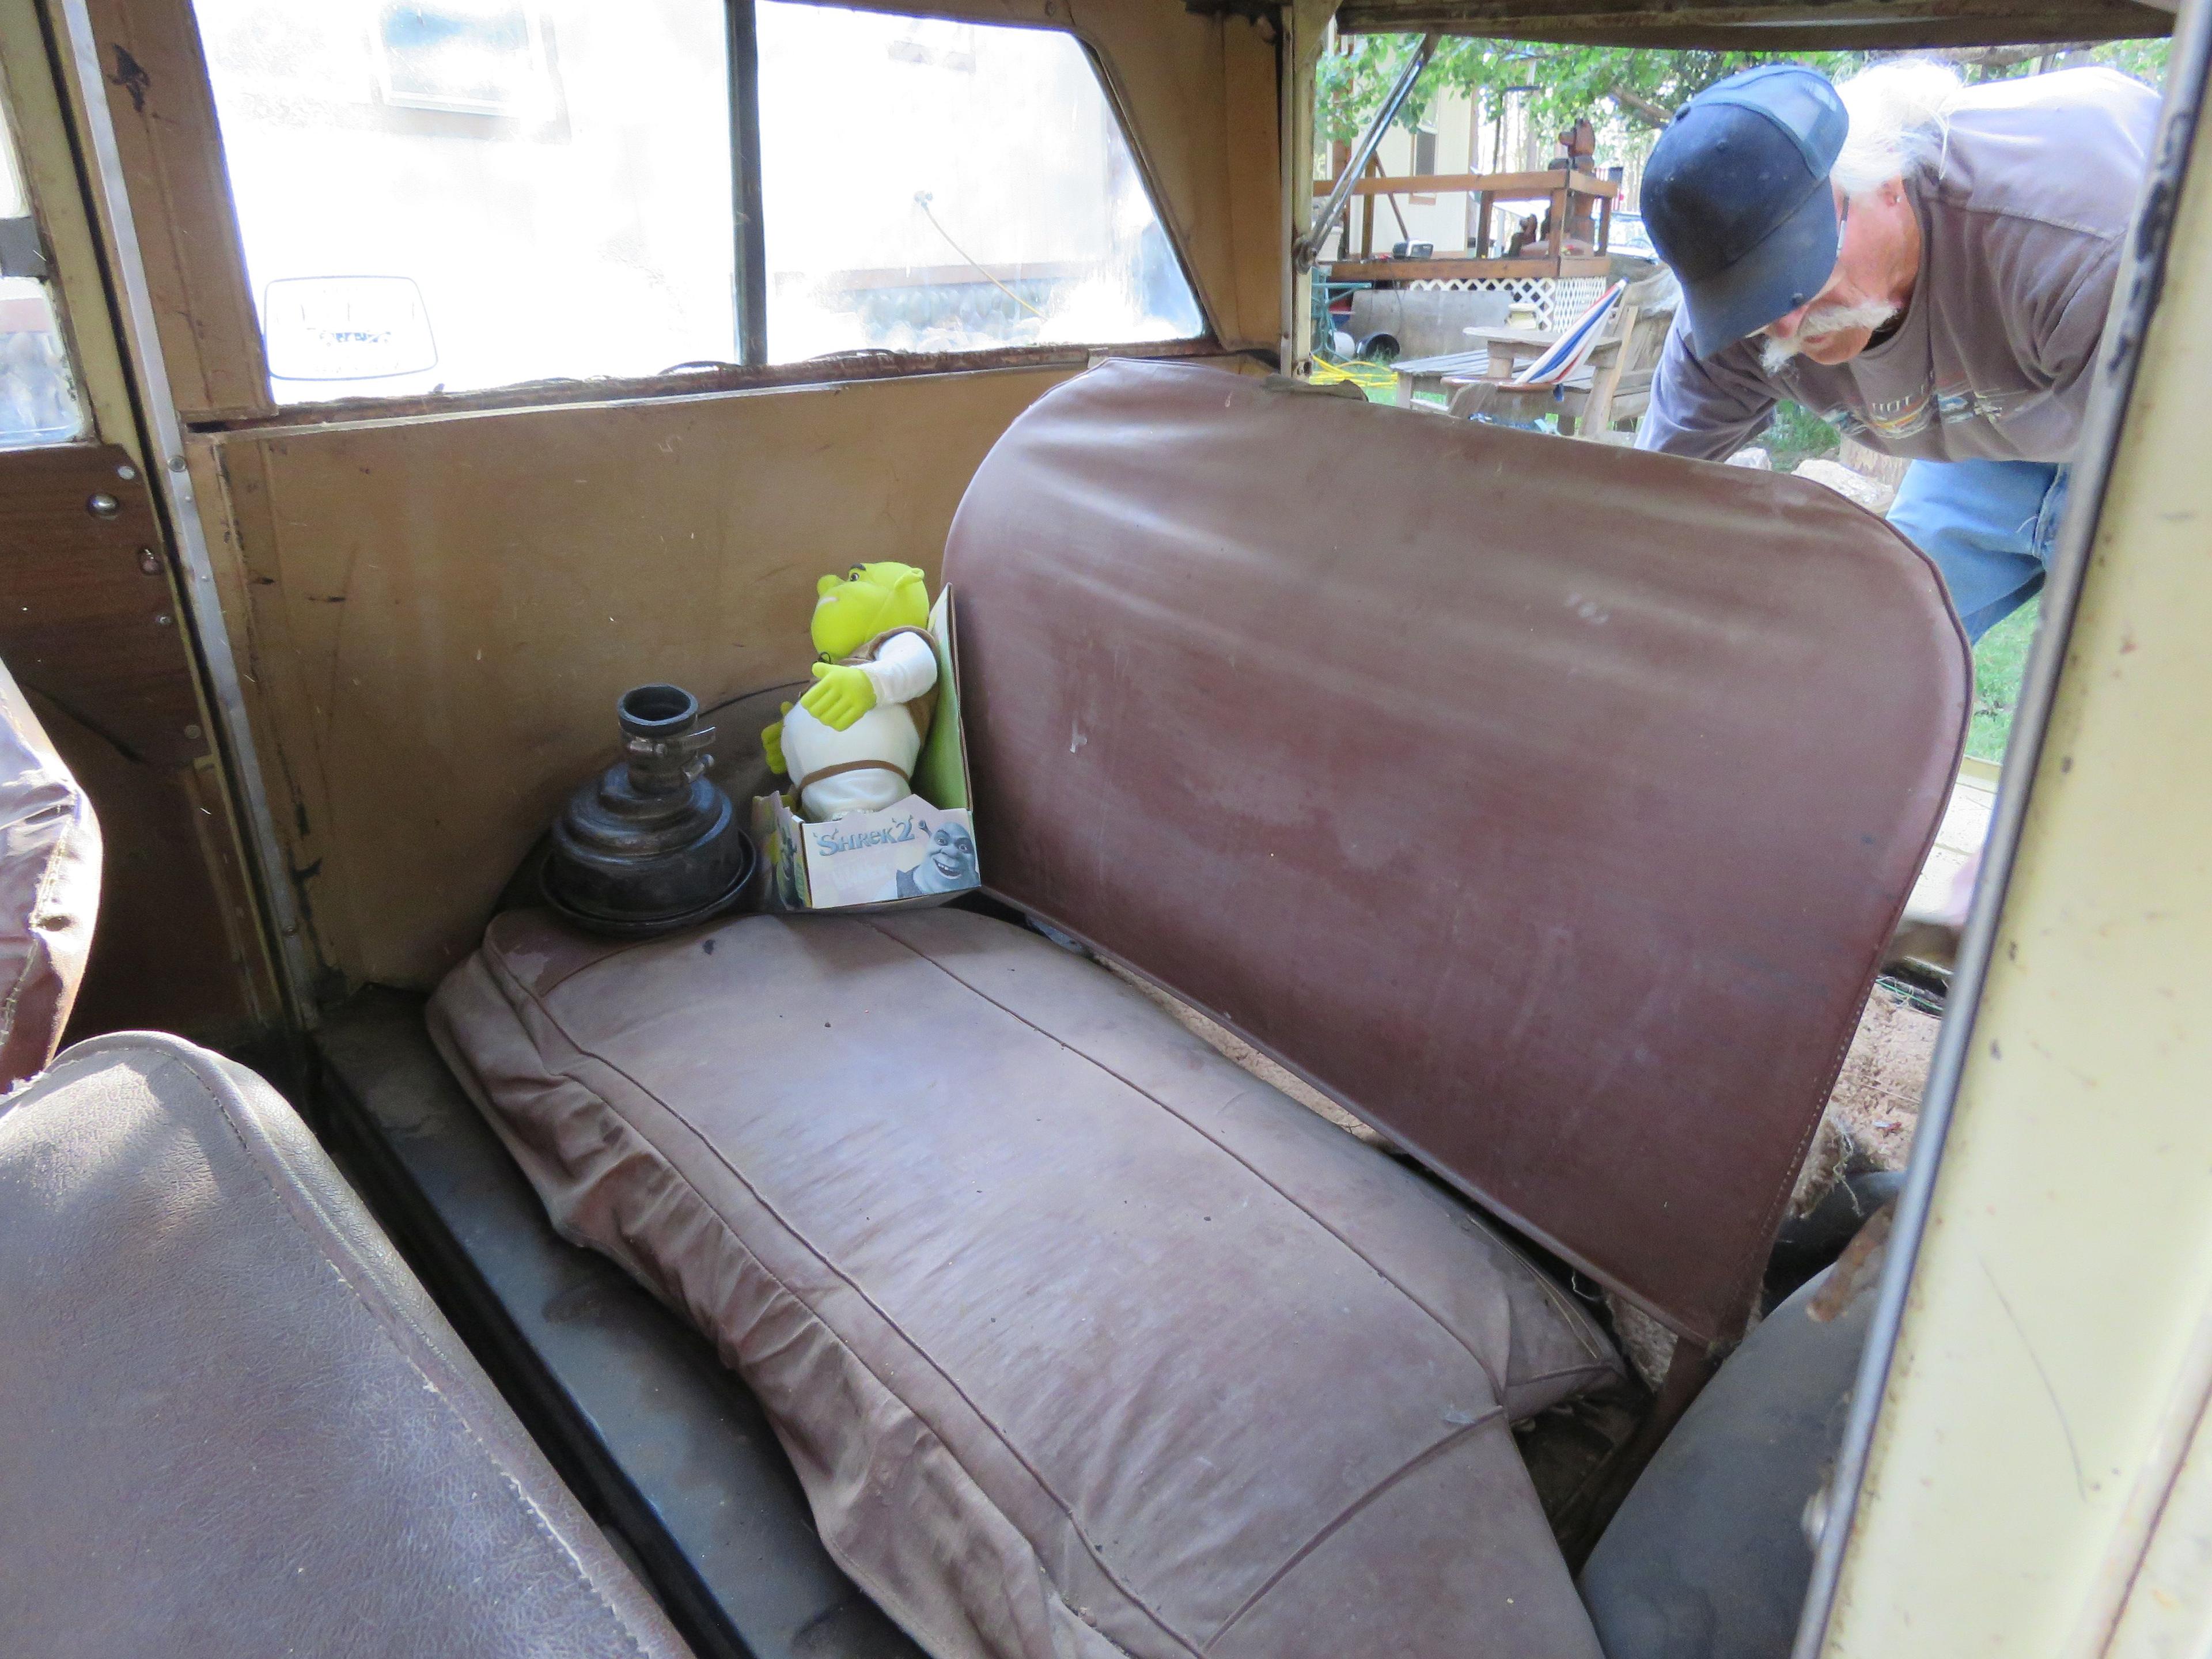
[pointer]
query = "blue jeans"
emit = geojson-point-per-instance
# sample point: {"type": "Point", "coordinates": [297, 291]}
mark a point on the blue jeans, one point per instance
{"type": "Point", "coordinates": [1988, 526]}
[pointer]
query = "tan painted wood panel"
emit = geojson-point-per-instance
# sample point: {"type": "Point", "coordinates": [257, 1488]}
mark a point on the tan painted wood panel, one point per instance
{"type": "Point", "coordinates": [436, 616]}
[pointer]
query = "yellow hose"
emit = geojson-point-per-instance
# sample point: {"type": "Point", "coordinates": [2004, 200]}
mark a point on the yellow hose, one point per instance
{"type": "Point", "coordinates": [1368, 377]}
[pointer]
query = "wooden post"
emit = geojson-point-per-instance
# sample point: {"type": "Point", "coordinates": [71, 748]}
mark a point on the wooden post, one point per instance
{"type": "Point", "coordinates": [1340, 157]}
{"type": "Point", "coordinates": [1482, 227]}
{"type": "Point", "coordinates": [1605, 381]}
{"type": "Point", "coordinates": [1473, 165]}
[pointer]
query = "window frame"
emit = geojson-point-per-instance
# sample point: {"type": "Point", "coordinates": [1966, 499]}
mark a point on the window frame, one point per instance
{"type": "Point", "coordinates": [749, 367]}
{"type": "Point", "coordinates": [31, 224]}
{"type": "Point", "coordinates": [533, 24]}
{"type": "Point", "coordinates": [753, 254]}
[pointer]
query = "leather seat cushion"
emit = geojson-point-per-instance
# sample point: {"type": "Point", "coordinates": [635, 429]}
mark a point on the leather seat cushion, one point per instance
{"type": "Point", "coordinates": [231, 1423]}
{"type": "Point", "coordinates": [1082, 1340]}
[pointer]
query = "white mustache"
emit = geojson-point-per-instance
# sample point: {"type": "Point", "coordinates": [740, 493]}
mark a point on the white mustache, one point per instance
{"type": "Point", "coordinates": [1822, 322]}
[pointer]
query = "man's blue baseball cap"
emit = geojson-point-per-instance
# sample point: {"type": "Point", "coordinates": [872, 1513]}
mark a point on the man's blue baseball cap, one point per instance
{"type": "Point", "coordinates": [1736, 199]}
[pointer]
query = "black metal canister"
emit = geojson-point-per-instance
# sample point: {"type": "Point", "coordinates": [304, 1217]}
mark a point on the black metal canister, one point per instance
{"type": "Point", "coordinates": [650, 844]}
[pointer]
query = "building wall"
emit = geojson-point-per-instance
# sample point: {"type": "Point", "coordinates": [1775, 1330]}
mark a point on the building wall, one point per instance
{"type": "Point", "coordinates": [1492, 134]}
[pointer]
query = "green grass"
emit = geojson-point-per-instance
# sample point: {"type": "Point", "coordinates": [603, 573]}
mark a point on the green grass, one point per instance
{"type": "Point", "coordinates": [1999, 660]}
{"type": "Point", "coordinates": [1797, 435]}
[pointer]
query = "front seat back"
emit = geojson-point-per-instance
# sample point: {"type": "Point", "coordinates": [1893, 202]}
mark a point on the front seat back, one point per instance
{"type": "Point", "coordinates": [232, 1422]}
{"type": "Point", "coordinates": [49, 888]}
{"type": "Point", "coordinates": [1547, 805]}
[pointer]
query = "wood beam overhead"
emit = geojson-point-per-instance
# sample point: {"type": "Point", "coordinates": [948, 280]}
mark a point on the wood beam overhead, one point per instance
{"type": "Point", "coordinates": [1767, 25]}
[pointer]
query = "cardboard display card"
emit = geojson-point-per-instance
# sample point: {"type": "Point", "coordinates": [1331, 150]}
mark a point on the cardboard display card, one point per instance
{"type": "Point", "coordinates": [918, 851]}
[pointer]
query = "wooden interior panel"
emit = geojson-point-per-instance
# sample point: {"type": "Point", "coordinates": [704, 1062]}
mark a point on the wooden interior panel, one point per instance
{"type": "Point", "coordinates": [436, 616]}
{"type": "Point", "coordinates": [89, 625]}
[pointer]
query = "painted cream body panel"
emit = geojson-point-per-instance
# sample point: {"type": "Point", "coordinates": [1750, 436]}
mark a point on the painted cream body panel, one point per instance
{"type": "Point", "coordinates": [2169, 1611]}
{"type": "Point", "coordinates": [2028, 1433]}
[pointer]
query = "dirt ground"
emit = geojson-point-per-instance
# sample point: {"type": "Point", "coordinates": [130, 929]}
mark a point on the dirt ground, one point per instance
{"type": "Point", "coordinates": [1871, 1114]}
{"type": "Point", "coordinates": [1876, 1099]}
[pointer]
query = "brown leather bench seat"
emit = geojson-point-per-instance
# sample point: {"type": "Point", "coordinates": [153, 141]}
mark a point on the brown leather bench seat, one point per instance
{"type": "Point", "coordinates": [231, 1422]}
{"type": "Point", "coordinates": [1081, 1337]}
{"type": "Point", "coordinates": [1563, 856]}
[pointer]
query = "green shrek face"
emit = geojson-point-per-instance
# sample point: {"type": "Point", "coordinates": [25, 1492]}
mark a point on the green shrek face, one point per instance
{"type": "Point", "coordinates": [867, 600]}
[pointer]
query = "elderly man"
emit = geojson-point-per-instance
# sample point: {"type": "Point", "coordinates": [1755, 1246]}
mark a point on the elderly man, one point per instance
{"type": "Point", "coordinates": [1926, 265]}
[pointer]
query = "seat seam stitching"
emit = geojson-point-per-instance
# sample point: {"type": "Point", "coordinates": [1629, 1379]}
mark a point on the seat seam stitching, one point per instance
{"type": "Point", "coordinates": [811, 1250]}
{"type": "Point", "coordinates": [1496, 1386]}
{"type": "Point", "coordinates": [1337, 1522]}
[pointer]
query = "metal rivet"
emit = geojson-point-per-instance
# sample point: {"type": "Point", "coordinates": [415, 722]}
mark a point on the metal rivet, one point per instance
{"type": "Point", "coordinates": [191, 730]}
{"type": "Point", "coordinates": [149, 562]}
{"type": "Point", "coordinates": [163, 619]}
{"type": "Point", "coordinates": [103, 506]}
{"type": "Point", "coordinates": [126, 472]}
{"type": "Point", "coordinates": [176, 463]}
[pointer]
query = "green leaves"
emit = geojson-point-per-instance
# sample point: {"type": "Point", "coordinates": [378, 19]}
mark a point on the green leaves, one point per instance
{"type": "Point", "coordinates": [1641, 87]}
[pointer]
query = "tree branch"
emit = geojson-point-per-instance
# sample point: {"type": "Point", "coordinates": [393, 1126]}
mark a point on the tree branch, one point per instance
{"type": "Point", "coordinates": [2005, 57]}
{"type": "Point", "coordinates": [1636, 104]}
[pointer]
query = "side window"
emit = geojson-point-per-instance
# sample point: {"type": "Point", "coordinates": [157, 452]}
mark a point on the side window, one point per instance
{"type": "Point", "coordinates": [454, 195]}
{"type": "Point", "coordinates": [972, 189]}
{"type": "Point", "coordinates": [457, 194]}
{"type": "Point", "coordinates": [38, 402]}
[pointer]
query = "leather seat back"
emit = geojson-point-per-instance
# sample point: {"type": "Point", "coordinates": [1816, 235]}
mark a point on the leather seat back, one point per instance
{"type": "Point", "coordinates": [1546, 805]}
{"type": "Point", "coordinates": [49, 888]}
{"type": "Point", "coordinates": [231, 1422]}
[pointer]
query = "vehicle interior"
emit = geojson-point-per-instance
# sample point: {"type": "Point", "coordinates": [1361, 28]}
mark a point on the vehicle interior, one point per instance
{"type": "Point", "coordinates": [1409, 944]}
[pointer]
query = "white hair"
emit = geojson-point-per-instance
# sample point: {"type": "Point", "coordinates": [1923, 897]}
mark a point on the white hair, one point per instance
{"type": "Point", "coordinates": [1900, 114]}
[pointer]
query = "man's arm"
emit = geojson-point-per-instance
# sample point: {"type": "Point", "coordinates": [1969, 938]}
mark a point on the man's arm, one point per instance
{"type": "Point", "coordinates": [1705, 411]}
{"type": "Point", "coordinates": [2073, 324]}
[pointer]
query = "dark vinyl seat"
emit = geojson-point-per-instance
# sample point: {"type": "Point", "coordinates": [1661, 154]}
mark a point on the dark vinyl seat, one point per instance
{"type": "Point", "coordinates": [231, 1421]}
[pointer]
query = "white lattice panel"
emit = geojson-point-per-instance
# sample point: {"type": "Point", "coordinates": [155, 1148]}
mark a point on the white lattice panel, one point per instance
{"type": "Point", "coordinates": [1558, 303]}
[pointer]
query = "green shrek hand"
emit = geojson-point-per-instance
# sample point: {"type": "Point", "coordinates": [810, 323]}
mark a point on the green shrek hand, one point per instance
{"type": "Point", "coordinates": [772, 746]}
{"type": "Point", "coordinates": [841, 695]}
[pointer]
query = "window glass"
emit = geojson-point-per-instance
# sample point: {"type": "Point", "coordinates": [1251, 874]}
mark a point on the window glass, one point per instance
{"type": "Point", "coordinates": [457, 194]}
{"type": "Point", "coordinates": [38, 393]}
{"type": "Point", "coordinates": [938, 186]}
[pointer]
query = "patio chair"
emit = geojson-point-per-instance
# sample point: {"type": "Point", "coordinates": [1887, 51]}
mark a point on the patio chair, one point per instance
{"type": "Point", "coordinates": [1611, 389]}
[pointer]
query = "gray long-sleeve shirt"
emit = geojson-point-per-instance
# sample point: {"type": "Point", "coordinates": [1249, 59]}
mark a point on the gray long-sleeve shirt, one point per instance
{"type": "Point", "coordinates": [2023, 221]}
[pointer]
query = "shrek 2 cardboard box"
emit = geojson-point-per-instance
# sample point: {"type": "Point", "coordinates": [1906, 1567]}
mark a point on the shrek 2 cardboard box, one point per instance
{"type": "Point", "coordinates": [918, 851]}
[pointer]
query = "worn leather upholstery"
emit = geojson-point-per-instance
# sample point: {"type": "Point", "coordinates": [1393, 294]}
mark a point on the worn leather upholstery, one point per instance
{"type": "Point", "coordinates": [1082, 1340]}
{"type": "Point", "coordinates": [49, 888]}
{"type": "Point", "coordinates": [1548, 807]}
{"type": "Point", "coordinates": [231, 1423]}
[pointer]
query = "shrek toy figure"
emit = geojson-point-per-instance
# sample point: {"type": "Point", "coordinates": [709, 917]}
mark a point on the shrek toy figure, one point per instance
{"type": "Point", "coordinates": [850, 743]}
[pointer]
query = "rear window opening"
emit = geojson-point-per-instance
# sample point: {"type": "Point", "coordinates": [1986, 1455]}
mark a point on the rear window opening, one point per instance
{"type": "Point", "coordinates": [459, 195]}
